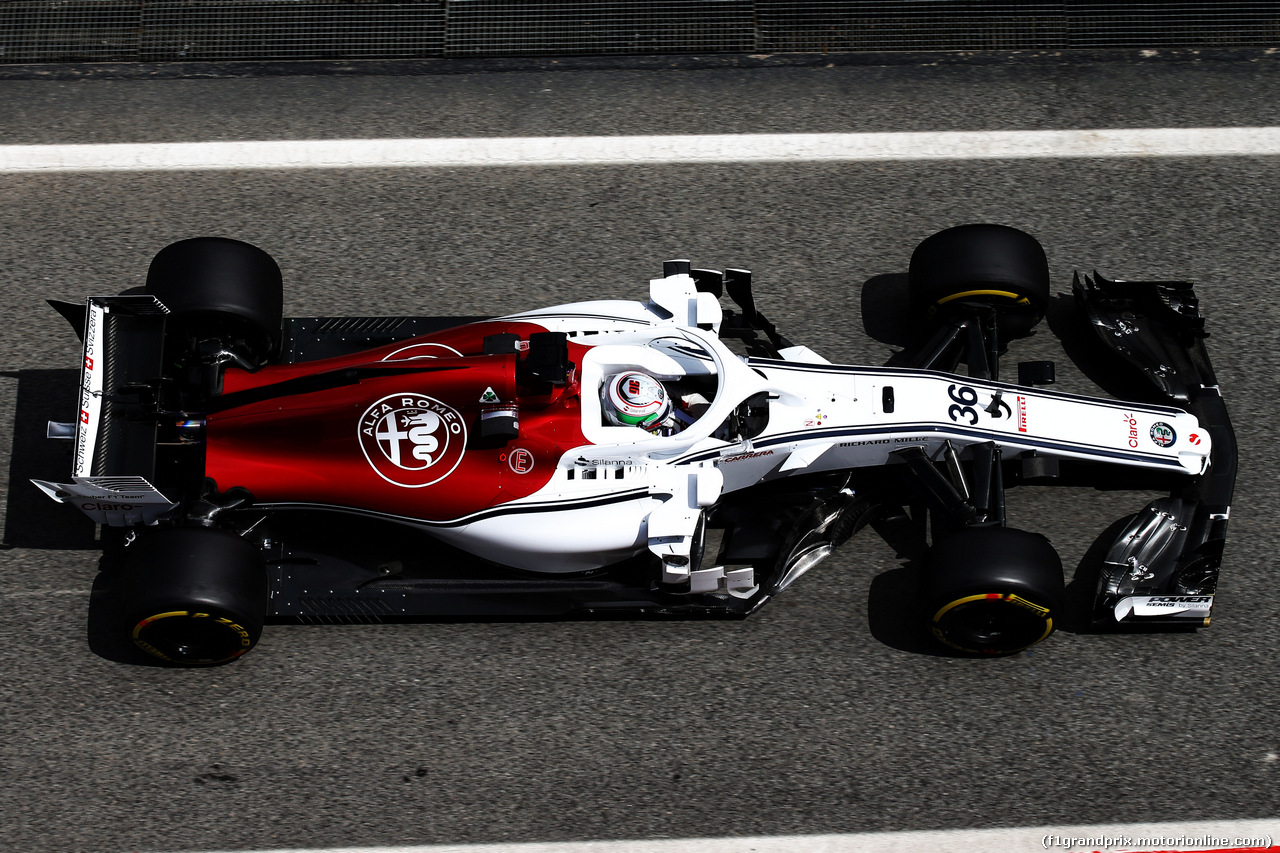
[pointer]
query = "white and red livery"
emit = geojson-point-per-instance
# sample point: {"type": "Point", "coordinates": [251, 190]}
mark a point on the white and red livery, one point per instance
{"type": "Point", "coordinates": [394, 467]}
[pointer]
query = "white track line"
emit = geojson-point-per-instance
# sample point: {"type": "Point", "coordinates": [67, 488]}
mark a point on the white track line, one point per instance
{"type": "Point", "coordinates": [638, 150]}
{"type": "Point", "coordinates": [1218, 834]}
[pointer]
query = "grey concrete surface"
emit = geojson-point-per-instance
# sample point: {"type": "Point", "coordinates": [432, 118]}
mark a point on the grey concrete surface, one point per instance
{"type": "Point", "coordinates": [809, 717]}
{"type": "Point", "coordinates": [1168, 89]}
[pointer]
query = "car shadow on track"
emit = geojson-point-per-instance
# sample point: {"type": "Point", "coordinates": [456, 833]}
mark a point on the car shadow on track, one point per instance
{"type": "Point", "coordinates": [31, 519]}
{"type": "Point", "coordinates": [103, 624]}
{"type": "Point", "coordinates": [893, 601]}
{"type": "Point", "coordinates": [1078, 616]}
{"type": "Point", "coordinates": [886, 314]}
{"type": "Point", "coordinates": [1113, 375]}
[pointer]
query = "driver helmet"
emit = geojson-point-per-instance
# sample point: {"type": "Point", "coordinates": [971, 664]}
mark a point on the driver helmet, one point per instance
{"type": "Point", "coordinates": [635, 399]}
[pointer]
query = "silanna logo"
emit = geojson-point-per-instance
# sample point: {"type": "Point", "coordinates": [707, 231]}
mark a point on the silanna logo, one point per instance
{"type": "Point", "coordinates": [412, 440]}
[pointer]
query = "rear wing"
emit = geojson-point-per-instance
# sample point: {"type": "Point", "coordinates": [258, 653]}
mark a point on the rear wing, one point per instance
{"type": "Point", "coordinates": [114, 433]}
{"type": "Point", "coordinates": [115, 501]}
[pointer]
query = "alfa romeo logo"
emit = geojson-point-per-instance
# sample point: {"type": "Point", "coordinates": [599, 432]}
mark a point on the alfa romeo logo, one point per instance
{"type": "Point", "coordinates": [412, 440]}
{"type": "Point", "coordinates": [1163, 434]}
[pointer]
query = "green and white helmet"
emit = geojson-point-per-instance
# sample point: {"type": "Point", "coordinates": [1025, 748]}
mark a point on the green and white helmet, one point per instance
{"type": "Point", "coordinates": [635, 399]}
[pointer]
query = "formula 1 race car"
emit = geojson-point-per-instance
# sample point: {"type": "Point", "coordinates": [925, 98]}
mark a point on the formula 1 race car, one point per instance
{"type": "Point", "coordinates": [661, 457]}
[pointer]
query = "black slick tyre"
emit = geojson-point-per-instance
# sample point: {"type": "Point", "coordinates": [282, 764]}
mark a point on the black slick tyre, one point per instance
{"type": "Point", "coordinates": [220, 288]}
{"type": "Point", "coordinates": [990, 264]}
{"type": "Point", "coordinates": [992, 590]}
{"type": "Point", "coordinates": [193, 596]}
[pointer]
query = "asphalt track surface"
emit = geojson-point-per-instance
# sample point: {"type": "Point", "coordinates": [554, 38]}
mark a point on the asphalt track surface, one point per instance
{"type": "Point", "coordinates": [822, 713]}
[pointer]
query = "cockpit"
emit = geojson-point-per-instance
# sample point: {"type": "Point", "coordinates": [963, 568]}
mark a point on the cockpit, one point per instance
{"type": "Point", "coordinates": [669, 387]}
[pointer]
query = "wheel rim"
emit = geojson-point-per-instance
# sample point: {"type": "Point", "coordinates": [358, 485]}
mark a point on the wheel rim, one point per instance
{"type": "Point", "coordinates": [992, 623]}
{"type": "Point", "coordinates": [191, 637]}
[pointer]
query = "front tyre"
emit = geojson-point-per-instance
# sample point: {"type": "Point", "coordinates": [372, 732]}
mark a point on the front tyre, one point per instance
{"type": "Point", "coordinates": [992, 590]}
{"type": "Point", "coordinates": [193, 596]}
{"type": "Point", "coordinates": [987, 264]}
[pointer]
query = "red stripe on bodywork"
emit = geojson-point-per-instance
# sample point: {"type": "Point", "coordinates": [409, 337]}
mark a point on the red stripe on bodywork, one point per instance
{"type": "Point", "coordinates": [307, 448]}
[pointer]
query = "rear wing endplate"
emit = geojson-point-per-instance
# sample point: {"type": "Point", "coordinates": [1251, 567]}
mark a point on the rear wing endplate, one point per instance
{"type": "Point", "coordinates": [115, 501]}
{"type": "Point", "coordinates": [123, 347]}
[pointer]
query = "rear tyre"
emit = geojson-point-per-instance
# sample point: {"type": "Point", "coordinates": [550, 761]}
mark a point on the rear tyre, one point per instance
{"type": "Point", "coordinates": [989, 264]}
{"type": "Point", "coordinates": [216, 288]}
{"type": "Point", "coordinates": [992, 590]}
{"type": "Point", "coordinates": [193, 596]}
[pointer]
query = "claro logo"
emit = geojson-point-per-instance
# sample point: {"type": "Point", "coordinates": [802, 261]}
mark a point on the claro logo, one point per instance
{"type": "Point", "coordinates": [1132, 423]}
{"type": "Point", "coordinates": [412, 440]}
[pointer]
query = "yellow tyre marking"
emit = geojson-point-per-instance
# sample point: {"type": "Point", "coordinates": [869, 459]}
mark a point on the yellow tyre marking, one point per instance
{"type": "Point", "coordinates": [221, 620]}
{"type": "Point", "coordinates": [1011, 598]}
{"type": "Point", "coordinates": [145, 622]}
{"type": "Point", "coordinates": [1021, 300]}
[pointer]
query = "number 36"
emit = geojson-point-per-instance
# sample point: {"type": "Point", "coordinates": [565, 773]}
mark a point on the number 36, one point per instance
{"type": "Point", "coordinates": [965, 398]}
